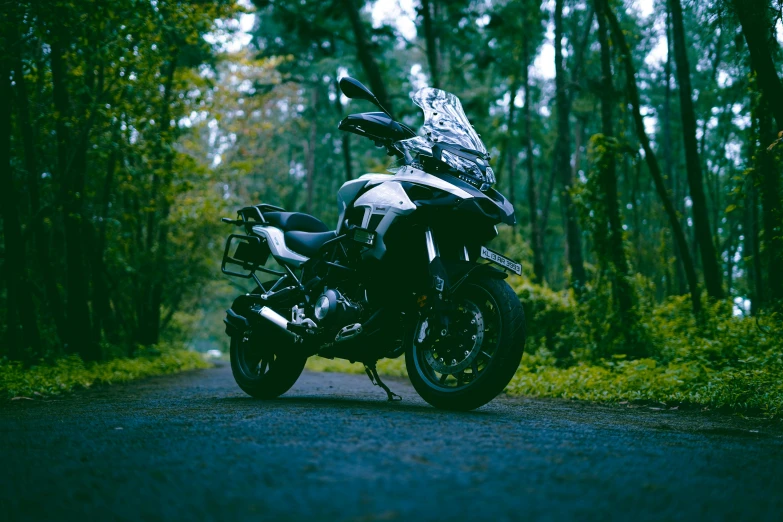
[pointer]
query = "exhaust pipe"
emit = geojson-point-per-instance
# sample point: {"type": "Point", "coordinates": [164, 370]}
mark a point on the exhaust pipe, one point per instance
{"type": "Point", "coordinates": [276, 319]}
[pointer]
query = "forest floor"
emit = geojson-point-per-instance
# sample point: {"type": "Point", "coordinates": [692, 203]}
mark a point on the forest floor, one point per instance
{"type": "Point", "coordinates": [192, 446]}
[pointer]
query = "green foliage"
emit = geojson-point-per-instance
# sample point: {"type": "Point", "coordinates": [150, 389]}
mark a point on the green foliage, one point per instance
{"type": "Point", "coordinates": [71, 373]}
{"type": "Point", "coordinates": [723, 361]}
{"type": "Point", "coordinates": [757, 389]}
{"type": "Point", "coordinates": [393, 367]}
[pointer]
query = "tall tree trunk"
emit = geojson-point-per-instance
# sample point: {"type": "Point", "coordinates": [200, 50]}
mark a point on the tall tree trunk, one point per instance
{"type": "Point", "coordinates": [772, 214]}
{"type": "Point", "coordinates": [608, 172]}
{"type": "Point", "coordinates": [311, 144]}
{"type": "Point", "coordinates": [701, 220]}
{"type": "Point", "coordinates": [652, 163]}
{"type": "Point", "coordinates": [667, 149]}
{"type": "Point", "coordinates": [511, 152]}
{"type": "Point", "coordinates": [364, 53]}
{"type": "Point", "coordinates": [431, 40]}
{"type": "Point", "coordinates": [573, 233]}
{"type": "Point", "coordinates": [40, 233]}
{"type": "Point", "coordinates": [19, 301]}
{"type": "Point", "coordinates": [758, 32]}
{"type": "Point", "coordinates": [71, 162]}
{"type": "Point", "coordinates": [101, 304]}
{"type": "Point", "coordinates": [345, 137]}
{"type": "Point", "coordinates": [536, 239]}
{"type": "Point", "coordinates": [155, 269]}
{"type": "Point", "coordinates": [751, 248]}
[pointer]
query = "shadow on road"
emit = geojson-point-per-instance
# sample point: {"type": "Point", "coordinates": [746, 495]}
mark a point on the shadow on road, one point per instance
{"type": "Point", "coordinates": [331, 402]}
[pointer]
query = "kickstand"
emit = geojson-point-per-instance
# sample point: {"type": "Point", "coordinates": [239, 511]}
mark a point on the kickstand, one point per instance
{"type": "Point", "coordinates": [372, 373]}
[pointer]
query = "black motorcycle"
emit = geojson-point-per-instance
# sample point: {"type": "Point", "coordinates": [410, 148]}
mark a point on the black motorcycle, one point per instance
{"type": "Point", "coordinates": [405, 272]}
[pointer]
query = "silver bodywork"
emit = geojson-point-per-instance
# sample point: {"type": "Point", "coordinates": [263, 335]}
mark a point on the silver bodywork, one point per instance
{"type": "Point", "coordinates": [280, 251]}
{"type": "Point", "coordinates": [385, 198]}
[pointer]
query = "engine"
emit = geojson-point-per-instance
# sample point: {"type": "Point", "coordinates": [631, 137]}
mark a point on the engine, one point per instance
{"type": "Point", "coordinates": [332, 309]}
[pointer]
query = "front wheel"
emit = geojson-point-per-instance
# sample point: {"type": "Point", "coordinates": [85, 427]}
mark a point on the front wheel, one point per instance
{"type": "Point", "coordinates": [478, 356]}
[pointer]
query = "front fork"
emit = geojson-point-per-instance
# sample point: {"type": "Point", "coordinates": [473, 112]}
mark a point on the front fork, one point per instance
{"type": "Point", "coordinates": [440, 305]}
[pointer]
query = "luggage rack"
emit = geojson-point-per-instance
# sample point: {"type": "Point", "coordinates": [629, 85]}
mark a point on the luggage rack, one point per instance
{"type": "Point", "coordinates": [249, 215]}
{"type": "Point", "coordinates": [252, 252]}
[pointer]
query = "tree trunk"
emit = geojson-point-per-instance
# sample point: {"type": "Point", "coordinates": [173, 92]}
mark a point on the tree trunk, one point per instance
{"type": "Point", "coordinates": [431, 40]}
{"type": "Point", "coordinates": [536, 240]}
{"type": "Point", "coordinates": [345, 138]}
{"type": "Point", "coordinates": [667, 150]}
{"type": "Point", "coordinates": [751, 247]}
{"type": "Point", "coordinates": [71, 162]}
{"type": "Point", "coordinates": [19, 301]}
{"type": "Point", "coordinates": [100, 288]}
{"type": "Point", "coordinates": [154, 264]}
{"type": "Point", "coordinates": [772, 213]}
{"type": "Point", "coordinates": [652, 163]}
{"type": "Point", "coordinates": [311, 144]}
{"type": "Point", "coordinates": [511, 153]}
{"type": "Point", "coordinates": [41, 235]}
{"type": "Point", "coordinates": [608, 171]}
{"type": "Point", "coordinates": [364, 53]}
{"type": "Point", "coordinates": [573, 233]}
{"type": "Point", "coordinates": [758, 34]}
{"type": "Point", "coordinates": [701, 220]}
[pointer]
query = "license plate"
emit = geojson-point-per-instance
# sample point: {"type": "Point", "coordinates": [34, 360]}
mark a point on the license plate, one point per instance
{"type": "Point", "coordinates": [501, 260]}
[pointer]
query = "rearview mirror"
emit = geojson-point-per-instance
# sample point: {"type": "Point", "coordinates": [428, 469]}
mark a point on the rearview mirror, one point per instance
{"type": "Point", "coordinates": [355, 89]}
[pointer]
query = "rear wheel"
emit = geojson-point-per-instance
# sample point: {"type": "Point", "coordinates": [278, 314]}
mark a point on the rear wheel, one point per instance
{"type": "Point", "coordinates": [265, 364]}
{"type": "Point", "coordinates": [477, 358]}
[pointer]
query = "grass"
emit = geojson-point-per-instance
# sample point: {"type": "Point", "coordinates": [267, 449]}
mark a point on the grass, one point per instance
{"type": "Point", "coordinates": [71, 373]}
{"type": "Point", "coordinates": [392, 367]}
{"type": "Point", "coordinates": [751, 390]}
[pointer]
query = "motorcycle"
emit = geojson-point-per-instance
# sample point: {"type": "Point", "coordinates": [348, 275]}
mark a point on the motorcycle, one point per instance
{"type": "Point", "coordinates": [405, 272]}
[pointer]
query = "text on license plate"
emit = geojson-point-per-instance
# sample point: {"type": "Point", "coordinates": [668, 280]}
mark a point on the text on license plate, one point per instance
{"type": "Point", "coordinates": [501, 260]}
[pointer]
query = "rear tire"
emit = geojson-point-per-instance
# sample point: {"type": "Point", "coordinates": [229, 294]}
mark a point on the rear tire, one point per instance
{"type": "Point", "coordinates": [268, 363]}
{"type": "Point", "coordinates": [499, 324]}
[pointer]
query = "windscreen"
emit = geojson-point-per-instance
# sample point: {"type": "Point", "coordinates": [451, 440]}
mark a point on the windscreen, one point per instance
{"type": "Point", "coordinates": [445, 122]}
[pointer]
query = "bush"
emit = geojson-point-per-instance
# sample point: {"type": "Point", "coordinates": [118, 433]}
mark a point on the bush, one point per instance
{"type": "Point", "coordinates": [722, 361]}
{"type": "Point", "coordinates": [70, 373]}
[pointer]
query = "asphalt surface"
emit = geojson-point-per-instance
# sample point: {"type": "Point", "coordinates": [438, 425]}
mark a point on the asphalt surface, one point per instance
{"type": "Point", "coordinates": [194, 447]}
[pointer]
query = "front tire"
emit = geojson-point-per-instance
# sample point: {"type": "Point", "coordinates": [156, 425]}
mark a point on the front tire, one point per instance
{"type": "Point", "coordinates": [479, 356]}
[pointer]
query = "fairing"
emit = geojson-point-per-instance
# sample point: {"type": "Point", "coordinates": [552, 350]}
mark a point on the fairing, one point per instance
{"type": "Point", "coordinates": [445, 122]}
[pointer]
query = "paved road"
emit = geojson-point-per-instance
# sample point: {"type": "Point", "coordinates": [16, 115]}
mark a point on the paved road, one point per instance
{"type": "Point", "coordinates": [193, 447]}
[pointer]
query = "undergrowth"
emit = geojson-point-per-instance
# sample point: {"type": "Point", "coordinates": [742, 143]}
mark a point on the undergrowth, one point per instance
{"type": "Point", "coordinates": [70, 373]}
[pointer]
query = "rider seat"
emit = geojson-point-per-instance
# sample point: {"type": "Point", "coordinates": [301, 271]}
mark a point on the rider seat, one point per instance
{"type": "Point", "coordinates": [288, 221]}
{"type": "Point", "coordinates": [303, 233]}
{"type": "Point", "coordinates": [307, 243]}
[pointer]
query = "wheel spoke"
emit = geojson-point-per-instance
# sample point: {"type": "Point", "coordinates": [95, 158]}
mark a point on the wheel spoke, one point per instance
{"type": "Point", "coordinates": [443, 378]}
{"type": "Point", "coordinates": [475, 367]}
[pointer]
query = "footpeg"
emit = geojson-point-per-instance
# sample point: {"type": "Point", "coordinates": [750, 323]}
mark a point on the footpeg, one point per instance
{"type": "Point", "coordinates": [348, 332]}
{"type": "Point", "coordinates": [372, 373]}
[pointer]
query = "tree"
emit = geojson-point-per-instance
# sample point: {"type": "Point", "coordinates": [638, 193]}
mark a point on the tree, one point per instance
{"type": "Point", "coordinates": [536, 238]}
{"type": "Point", "coordinates": [20, 306]}
{"type": "Point", "coordinates": [563, 154]}
{"type": "Point", "coordinates": [364, 54]}
{"type": "Point", "coordinates": [701, 221]}
{"type": "Point", "coordinates": [652, 160]}
{"type": "Point", "coordinates": [614, 250]}
{"type": "Point", "coordinates": [759, 35]}
{"type": "Point", "coordinates": [428, 9]}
